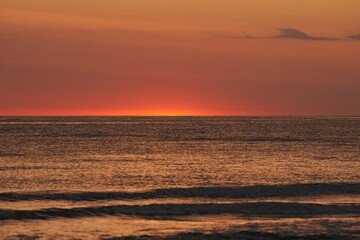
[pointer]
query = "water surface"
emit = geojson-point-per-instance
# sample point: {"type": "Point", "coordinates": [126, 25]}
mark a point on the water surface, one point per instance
{"type": "Point", "coordinates": [179, 177]}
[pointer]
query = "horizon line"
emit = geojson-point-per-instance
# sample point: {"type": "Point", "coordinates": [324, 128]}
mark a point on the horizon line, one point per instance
{"type": "Point", "coordinates": [309, 115]}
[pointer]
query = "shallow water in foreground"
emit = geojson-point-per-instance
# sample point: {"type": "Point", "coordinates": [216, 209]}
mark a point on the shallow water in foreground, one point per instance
{"type": "Point", "coordinates": [179, 178]}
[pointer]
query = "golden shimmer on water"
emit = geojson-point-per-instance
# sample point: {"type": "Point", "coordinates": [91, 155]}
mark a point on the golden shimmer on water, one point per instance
{"type": "Point", "coordinates": [171, 178]}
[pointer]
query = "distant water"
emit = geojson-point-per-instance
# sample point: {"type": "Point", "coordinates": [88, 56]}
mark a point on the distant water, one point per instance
{"type": "Point", "coordinates": [179, 178]}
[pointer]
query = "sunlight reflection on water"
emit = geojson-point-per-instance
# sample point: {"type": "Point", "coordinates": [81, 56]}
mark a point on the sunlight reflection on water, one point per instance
{"type": "Point", "coordinates": [134, 176]}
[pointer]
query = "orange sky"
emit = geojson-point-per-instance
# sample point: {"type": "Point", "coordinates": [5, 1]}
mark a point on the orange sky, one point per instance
{"type": "Point", "coordinates": [179, 57]}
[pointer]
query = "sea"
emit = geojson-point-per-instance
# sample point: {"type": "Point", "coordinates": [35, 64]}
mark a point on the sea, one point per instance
{"type": "Point", "coordinates": [165, 178]}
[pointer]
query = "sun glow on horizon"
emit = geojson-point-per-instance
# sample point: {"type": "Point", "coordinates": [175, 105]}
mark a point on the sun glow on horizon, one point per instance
{"type": "Point", "coordinates": [149, 112]}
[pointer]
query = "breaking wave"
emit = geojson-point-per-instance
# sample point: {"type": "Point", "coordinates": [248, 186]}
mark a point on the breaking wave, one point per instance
{"type": "Point", "coordinates": [277, 209]}
{"type": "Point", "coordinates": [244, 235]}
{"type": "Point", "coordinates": [247, 192]}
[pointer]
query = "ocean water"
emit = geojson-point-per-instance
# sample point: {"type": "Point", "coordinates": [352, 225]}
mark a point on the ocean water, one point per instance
{"type": "Point", "coordinates": [179, 178]}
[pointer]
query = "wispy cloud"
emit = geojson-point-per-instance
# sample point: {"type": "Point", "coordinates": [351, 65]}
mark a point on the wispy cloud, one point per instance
{"type": "Point", "coordinates": [228, 35]}
{"type": "Point", "coordinates": [284, 33]}
{"type": "Point", "coordinates": [293, 33]}
{"type": "Point", "coordinates": [356, 37]}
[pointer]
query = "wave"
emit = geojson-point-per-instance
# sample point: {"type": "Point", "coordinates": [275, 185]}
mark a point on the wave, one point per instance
{"type": "Point", "coordinates": [5, 154]}
{"type": "Point", "coordinates": [14, 168]}
{"type": "Point", "coordinates": [244, 235]}
{"type": "Point", "coordinates": [247, 192]}
{"type": "Point", "coordinates": [261, 209]}
{"type": "Point", "coordinates": [235, 139]}
{"type": "Point", "coordinates": [266, 139]}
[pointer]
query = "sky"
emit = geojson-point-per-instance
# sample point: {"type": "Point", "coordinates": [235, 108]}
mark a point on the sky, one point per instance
{"type": "Point", "coordinates": [180, 57]}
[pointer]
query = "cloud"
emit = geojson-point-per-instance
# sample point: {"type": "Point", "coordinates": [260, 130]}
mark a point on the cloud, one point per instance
{"type": "Point", "coordinates": [355, 37]}
{"type": "Point", "coordinates": [293, 33]}
{"type": "Point", "coordinates": [285, 33]}
{"type": "Point", "coordinates": [229, 35]}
